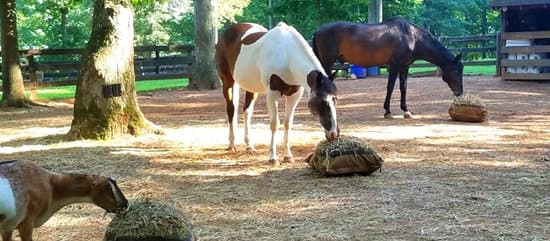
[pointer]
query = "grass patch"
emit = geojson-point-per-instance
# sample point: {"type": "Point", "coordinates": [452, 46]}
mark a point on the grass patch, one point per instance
{"type": "Point", "coordinates": [68, 91]}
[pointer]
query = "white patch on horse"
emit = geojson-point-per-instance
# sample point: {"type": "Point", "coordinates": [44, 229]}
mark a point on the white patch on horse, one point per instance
{"type": "Point", "coordinates": [7, 200]}
{"type": "Point", "coordinates": [258, 61]}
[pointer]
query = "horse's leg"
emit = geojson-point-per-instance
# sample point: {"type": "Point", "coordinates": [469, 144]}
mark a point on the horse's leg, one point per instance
{"type": "Point", "coordinates": [391, 83]}
{"type": "Point", "coordinates": [231, 96]}
{"type": "Point", "coordinates": [403, 88]}
{"type": "Point", "coordinates": [290, 108]}
{"type": "Point", "coordinates": [272, 98]}
{"type": "Point", "coordinates": [248, 109]}
{"type": "Point", "coordinates": [327, 61]}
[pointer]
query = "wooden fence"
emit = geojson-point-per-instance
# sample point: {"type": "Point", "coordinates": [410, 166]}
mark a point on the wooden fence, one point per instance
{"type": "Point", "coordinates": [475, 49]}
{"type": "Point", "coordinates": [60, 66]}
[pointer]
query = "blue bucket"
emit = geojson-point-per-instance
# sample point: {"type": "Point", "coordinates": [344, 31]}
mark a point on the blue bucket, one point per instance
{"type": "Point", "coordinates": [372, 71]}
{"type": "Point", "coordinates": [358, 71]}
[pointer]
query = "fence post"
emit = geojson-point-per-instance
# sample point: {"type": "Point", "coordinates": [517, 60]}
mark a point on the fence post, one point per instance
{"type": "Point", "coordinates": [498, 56]}
{"type": "Point", "coordinates": [32, 75]}
{"type": "Point", "coordinates": [157, 57]}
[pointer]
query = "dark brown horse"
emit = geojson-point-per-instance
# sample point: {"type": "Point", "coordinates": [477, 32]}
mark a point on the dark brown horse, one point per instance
{"type": "Point", "coordinates": [396, 43]}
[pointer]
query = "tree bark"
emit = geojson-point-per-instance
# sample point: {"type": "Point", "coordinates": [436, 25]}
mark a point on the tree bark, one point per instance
{"type": "Point", "coordinates": [108, 59]}
{"type": "Point", "coordinates": [205, 75]}
{"type": "Point", "coordinates": [64, 26]}
{"type": "Point", "coordinates": [375, 11]}
{"type": "Point", "coordinates": [12, 78]}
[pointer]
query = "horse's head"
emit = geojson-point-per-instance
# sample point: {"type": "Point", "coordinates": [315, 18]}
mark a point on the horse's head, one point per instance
{"type": "Point", "coordinates": [322, 102]}
{"type": "Point", "coordinates": [106, 194]}
{"type": "Point", "coordinates": [452, 74]}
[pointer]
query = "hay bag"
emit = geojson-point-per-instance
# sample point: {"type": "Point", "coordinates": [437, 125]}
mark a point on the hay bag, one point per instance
{"type": "Point", "coordinates": [469, 108]}
{"type": "Point", "coordinates": [345, 155]}
{"type": "Point", "coordinates": [149, 220]}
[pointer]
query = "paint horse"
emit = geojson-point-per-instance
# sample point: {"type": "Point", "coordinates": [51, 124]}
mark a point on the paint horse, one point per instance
{"type": "Point", "coordinates": [278, 62]}
{"type": "Point", "coordinates": [394, 42]}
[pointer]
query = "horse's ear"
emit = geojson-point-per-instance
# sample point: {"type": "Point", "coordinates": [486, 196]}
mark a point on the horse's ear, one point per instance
{"type": "Point", "coordinates": [313, 79]}
{"type": "Point", "coordinates": [458, 57]}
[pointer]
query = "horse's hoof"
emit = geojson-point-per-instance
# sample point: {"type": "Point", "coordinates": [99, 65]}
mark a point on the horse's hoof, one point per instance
{"type": "Point", "coordinates": [388, 116]}
{"type": "Point", "coordinates": [231, 149]}
{"type": "Point", "coordinates": [408, 115]}
{"type": "Point", "coordinates": [288, 159]}
{"type": "Point", "coordinates": [274, 162]}
{"type": "Point", "coordinates": [250, 149]}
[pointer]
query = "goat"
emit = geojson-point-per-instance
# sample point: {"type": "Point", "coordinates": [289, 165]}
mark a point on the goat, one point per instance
{"type": "Point", "coordinates": [30, 195]}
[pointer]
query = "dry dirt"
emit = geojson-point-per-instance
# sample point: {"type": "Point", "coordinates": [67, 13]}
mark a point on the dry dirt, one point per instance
{"type": "Point", "coordinates": [442, 180]}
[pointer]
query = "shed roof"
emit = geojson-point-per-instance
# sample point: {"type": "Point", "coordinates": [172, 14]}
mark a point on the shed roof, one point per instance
{"type": "Point", "coordinates": [509, 3]}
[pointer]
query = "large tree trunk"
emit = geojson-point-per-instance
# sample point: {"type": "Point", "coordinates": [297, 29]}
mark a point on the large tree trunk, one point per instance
{"type": "Point", "coordinates": [108, 59]}
{"type": "Point", "coordinates": [205, 75]}
{"type": "Point", "coordinates": [12, 79]}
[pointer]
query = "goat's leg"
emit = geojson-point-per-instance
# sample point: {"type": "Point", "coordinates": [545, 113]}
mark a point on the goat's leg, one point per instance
{"type": "Point", "coordinates": [392, 76]}
{"type": "Point", "coordinates": [6, 236]}
{"type": "Point", "coordinates": [25, 229]}
{"type": "Point", "coordinates": [403, 89]}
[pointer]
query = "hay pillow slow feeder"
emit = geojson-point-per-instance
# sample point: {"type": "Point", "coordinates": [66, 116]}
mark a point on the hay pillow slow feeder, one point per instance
{"type": "Point", "coordinates": [345, 155]}
{"type": "Point", "coordinates": [148, 220]}
{"type": "Point", "coordinates": [468, 108]}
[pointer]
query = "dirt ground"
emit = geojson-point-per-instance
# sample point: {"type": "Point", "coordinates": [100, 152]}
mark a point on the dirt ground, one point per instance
{"type": "Point", "coordinates": [442, 180]}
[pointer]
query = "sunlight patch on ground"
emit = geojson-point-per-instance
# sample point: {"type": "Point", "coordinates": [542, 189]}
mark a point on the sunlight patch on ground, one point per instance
{"type": "Point", "coordinates": [476, 133]}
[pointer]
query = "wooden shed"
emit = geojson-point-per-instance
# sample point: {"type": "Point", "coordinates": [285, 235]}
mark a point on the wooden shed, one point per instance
{"type": "Point", "coordinates": [523, 49]}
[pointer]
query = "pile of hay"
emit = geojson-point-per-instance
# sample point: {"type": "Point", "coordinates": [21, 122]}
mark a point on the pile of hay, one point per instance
{"type": "Point", "coordinates": [148, 220]}
{"type": "Point", "coordinates": [469, 108]}
{"type": "Point", "coordinates": [344, 156]}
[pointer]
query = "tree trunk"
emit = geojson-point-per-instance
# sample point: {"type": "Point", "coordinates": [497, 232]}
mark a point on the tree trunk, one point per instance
{"type": "Point", "coordinates": [108, 59]}
{"type": "Point", "coordinates": [64, 27]}
{"type": "Point", "coordinates": [205, 75]}
{"type": "Point", "coordinates": [375, 11]}
{"type": "Point", "coordinates": [12, 78]}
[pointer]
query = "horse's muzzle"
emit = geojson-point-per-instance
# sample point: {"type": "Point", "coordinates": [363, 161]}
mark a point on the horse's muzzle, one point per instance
{"type": "Point", "coordinates": [331, 135]}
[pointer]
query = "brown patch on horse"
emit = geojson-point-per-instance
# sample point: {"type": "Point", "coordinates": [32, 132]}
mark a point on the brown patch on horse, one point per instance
{"type": "Point", "coordinates": [229, 47]}
{"type": "Point", "coordinates": [252, 38]}
{"type": "Point", "coordinates": [276, 83]}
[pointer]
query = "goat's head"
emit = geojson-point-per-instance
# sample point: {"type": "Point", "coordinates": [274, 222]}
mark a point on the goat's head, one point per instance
{"type": "Point", "coordinates": [107, 195]}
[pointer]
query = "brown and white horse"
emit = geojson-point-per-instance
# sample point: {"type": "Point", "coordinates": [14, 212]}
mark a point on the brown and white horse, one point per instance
{"type": "Point", "coordinates": [278, 62]}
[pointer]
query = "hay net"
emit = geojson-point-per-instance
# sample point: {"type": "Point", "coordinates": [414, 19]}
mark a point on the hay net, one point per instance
{"type": "Point", "coordinates": [468, 100]}
{"type": "Point", "coordinates": [149, 218]}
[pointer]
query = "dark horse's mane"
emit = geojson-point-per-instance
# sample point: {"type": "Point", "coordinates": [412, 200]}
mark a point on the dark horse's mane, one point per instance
{"type": "Point", "coordinates": [405, 26]}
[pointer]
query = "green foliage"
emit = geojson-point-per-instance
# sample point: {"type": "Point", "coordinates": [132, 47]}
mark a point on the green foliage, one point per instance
{"type": "Point", "coordinates": [159, 22]}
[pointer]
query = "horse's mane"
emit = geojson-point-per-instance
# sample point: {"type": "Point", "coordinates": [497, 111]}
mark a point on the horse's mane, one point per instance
{"type": "Point", "coordinates": [302, 43]}
{"type": "Point", "coordinates": [421, 33]}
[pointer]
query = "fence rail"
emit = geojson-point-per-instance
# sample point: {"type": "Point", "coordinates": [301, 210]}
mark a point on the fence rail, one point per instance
{"type": "Point", "coordinates": [60, 66]}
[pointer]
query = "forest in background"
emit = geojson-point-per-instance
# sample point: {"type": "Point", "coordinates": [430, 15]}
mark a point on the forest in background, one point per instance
{"type": "Point", "coordinates": [67, 23]}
